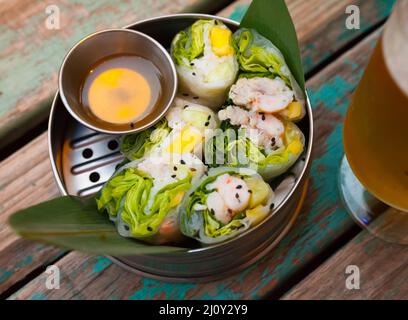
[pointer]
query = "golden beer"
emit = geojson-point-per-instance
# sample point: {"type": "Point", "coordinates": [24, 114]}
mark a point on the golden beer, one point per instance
{"type": "Point", "coordinates": [376, 124]}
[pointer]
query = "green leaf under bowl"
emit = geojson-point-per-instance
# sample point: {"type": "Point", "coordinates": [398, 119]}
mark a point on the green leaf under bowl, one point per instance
{"type": "Point", "coordinates": [271, 19]}
{"type": "Point", "coordinates": [76, 224]}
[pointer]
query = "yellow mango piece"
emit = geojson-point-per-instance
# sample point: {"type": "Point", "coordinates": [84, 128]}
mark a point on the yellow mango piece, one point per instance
{"type": "Point", "coordinates": [177, 199]}
{"type": "Point", "coordinates": [295, 147]}
{"type": "Point", "coordinates": [257, 214]}
{"type": "Point", "coordinates": [221, 41]}
{"type": "Point", "coordinates": [259, 191]}
{"type": "Point", "coordinates": [293, 112]}
{"type": "Point", "coordinates": [186, 141]}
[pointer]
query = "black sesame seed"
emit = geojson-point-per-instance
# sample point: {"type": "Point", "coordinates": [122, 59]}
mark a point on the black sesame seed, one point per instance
{"type": "Point", "coordinates": [194, 73]}
{"type": "Point", "coordinates": [185, 94]}
{"type": "Point", "coordinates": [173, 176]}
{"type": "Point", "coordinates": [186, 106]}
{"type": "Point", "coordinates": [272, 206]}
{"type": "Point", "coordinates": [149, 229]}
{"type": "Point", "coordinates": [193, 169]}
{"type": "Point", "coordinates": [263, 117]}
{"type": "Point", "coordinates": [175, 168]}
{"type": "Point", "coordinates": [182, 161]}
{"type": "Point", "coordinates": [237, 195]}
{"type": "Point", "coordinates": [126, 227]}
{"type": "Point", "coordinates": [249, 191]}
{"type": "Point", "coordinates": [207, 124]}
{"type": "Point", "coordinates": [192, 64]}
{"type": "Point", "coordinates": [209, 117]}
{"type": "Point", "coordinates": [212, 211]}
{"type": "Point", "coordinates": [273, 142]}
{"type": "Point", "coordinates": [239, 187]}
{"type": "Point", "coordinates": [196, 98]}
{"type": "Point", "coordinates": [132, 124]}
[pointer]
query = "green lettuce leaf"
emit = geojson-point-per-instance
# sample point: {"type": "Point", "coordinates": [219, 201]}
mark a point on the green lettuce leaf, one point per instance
{"type": "Point", "coordinates": [143, 220]}
{"type": "Point", "coordinates": [257, 55]}
{"type": "Point", "coordinates": [214, 229]}
{"type": "Point", "coordinates": [111, 195]}
{"type": "Point", "coordinates": [136, 146]}
{"type": "Point", "coordinates": [189, 44]}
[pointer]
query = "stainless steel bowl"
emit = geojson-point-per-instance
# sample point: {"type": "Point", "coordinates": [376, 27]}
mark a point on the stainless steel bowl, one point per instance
{"type": "Point", "coordinates": [83, 160]}
{"type": "Point", "coordinates": [107, 43]}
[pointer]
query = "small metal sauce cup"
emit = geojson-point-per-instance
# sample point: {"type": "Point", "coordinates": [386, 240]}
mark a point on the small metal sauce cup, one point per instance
{"type": "Point", "coordinates": [100, 45]}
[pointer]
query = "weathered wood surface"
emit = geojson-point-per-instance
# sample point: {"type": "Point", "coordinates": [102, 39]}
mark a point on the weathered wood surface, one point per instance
{"type": "Point", "coordinates": [25, 178]}
{"type": "Point", "coordinates": [28, 175]}
{"type": "Point", "coordinates": [383, 271]}
{"type": "Point", "coordinates": [265, 278]}
{"type": "Point", "coordinates": [322, 222]}
{"type": "Point", "coordinates": [31, 54]}
{"type": "Point", "coordinates": [28, 48]}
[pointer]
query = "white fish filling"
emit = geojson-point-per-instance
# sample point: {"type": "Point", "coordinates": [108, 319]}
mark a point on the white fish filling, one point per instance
{"type": "Point", "coordinates": [262, 94]}
{"type": "Point", "coordinates": [264, 130]}
{"type": "Point", "coordinates": [230, 196]}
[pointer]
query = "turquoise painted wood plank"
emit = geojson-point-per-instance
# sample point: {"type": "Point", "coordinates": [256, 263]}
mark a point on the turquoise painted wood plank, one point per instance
{"type": "Point", "coordinates": [30, 53]}
{"type": "Point", "coordinates": [20, 258]}
{"type": "Point", "coordinates": [322, 222]}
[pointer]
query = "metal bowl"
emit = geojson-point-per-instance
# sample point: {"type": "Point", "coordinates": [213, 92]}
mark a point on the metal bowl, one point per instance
{"type": "Point", "coordinates": [107, 43]}
{"type": "Point", "coordinates": [82, 160]}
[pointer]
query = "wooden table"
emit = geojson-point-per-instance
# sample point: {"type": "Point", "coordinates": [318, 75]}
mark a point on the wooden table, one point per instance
{"type": "Point", "coordinates": [310, 263]}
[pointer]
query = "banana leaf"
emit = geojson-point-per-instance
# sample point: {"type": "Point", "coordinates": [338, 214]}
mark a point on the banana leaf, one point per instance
{"type": "Point", "coordinates": [271, 19]}
{"type": "Point", "coordinates": [74, 223]}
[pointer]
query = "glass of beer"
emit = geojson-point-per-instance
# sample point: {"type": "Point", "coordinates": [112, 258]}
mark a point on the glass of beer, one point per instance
{"type": "Point", "coordinates": [374, 173]}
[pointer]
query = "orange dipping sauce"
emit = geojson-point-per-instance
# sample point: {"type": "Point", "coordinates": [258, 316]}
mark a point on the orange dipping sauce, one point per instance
{"type": "Point", "coordinates": [121, 89]}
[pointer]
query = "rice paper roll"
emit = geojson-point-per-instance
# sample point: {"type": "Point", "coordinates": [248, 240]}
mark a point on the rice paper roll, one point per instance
{"type": "Point", "coordinates": [225, 203]}
{"type": "Point", "coordinates": [205, 61]}
{"type": "Point", "coordinates": [260, 59]}
{"type": "Point", "coordinates": [262, 142]}
{"type": "Point", "coordinates": [142, 198]}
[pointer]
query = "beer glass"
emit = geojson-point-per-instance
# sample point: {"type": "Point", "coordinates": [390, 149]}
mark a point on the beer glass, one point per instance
{"type": "Point", "coordinates": [374, 173]}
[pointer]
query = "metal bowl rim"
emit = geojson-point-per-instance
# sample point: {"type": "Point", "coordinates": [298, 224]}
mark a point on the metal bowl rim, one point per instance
{"type": "Point", "coordinates": [284, 201]}
{"type": "Point", "coordinates": [168, 58]}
